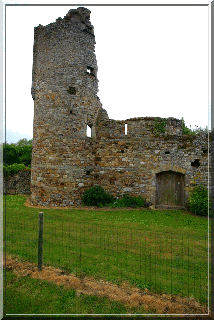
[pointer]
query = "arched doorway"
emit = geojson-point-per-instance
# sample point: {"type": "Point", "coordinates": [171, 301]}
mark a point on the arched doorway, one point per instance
{"type": "Point", "coordinates": [170, 188]}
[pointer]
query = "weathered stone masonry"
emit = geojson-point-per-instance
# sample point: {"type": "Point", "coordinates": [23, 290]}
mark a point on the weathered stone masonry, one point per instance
{"type": "Point", "coordinates": [18, 183]}
{"type": "Point", "coordinates": [152, 159]}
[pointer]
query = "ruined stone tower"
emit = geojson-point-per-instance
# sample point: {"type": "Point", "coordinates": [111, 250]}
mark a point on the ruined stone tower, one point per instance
{"type": "Point", "coordinates": [64, 89]}
{"type": "Point", "coordinates": [148, 157]}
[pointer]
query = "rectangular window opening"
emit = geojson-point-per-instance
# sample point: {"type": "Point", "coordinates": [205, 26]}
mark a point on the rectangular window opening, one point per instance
{"type": "Point", "coordinates": [126, 129]}
{"type": "Point", "coordinates": [89, 131]}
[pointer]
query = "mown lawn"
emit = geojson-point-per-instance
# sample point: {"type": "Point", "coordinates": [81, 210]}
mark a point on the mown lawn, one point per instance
{"type": "Point", "coordinates": [164, 251]}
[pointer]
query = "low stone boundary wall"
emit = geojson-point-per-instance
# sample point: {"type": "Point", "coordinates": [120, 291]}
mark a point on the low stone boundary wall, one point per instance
{"type": "Point", "coordinates": [18, 183]}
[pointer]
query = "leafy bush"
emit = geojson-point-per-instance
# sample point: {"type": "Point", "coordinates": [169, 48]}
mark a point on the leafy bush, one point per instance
{"type": "Point", "coordinates": [13, 169]}
{"type": "Point", "coordinates": [198, 201]}
{"type": "Point", "coordinates": [128, 201]}
{"type": "Point", "coordinates": [96, 196]}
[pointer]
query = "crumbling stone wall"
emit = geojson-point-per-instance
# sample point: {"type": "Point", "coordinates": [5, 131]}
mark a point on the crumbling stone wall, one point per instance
{"type": "Point", "coordinates": [65, 161]}
{"type": "Point", "coordinates": [130, 163]}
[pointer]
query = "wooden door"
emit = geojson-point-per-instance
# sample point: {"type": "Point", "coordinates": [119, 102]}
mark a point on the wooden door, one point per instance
{"type": "Point", "coordinates": [170, 188]}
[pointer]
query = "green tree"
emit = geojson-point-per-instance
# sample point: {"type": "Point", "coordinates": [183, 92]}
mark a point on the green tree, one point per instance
{"type": "Point", "coordinates": [19, 152]}
{"type": "Point", "coordinates": [25, 154]}
{"type": "Point", "coordinates": [10, 154]}
{"type": "Point", "coordinates": [24, 142]}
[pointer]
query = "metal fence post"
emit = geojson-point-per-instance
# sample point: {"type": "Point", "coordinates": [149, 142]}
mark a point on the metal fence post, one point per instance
{"type": "Point", "coordinates": [40, 240]}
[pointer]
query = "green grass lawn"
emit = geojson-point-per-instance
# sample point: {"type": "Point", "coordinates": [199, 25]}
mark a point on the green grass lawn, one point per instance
{"type": "Point", "coordinates": [164, 251]}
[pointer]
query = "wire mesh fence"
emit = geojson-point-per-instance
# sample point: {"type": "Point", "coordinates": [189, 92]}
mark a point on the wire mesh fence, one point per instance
{"type": "Point", "coordinates": [162, 262]}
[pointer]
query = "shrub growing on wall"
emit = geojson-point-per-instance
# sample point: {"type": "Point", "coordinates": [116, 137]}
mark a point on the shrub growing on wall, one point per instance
{"type": "Point", "coordinates": [96, 196]}
{"type": "Point", "coordinates": [185, 129]}
{"type": "Point", "coordinates": [198, 201]}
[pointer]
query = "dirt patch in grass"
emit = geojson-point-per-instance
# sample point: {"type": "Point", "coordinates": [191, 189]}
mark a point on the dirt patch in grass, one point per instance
{"type": "Point", "coordinates": [129, 295]}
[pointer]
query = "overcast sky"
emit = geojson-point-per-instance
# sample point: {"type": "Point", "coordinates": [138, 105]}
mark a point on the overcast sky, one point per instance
{"type": "Point", "coordinates": [152, 60]}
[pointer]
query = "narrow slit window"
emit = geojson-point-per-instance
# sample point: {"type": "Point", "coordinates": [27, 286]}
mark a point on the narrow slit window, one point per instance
{"type": "Point", "coordinates": [126, 129]}
{"type": "Point", "coordinates": [89, 131]}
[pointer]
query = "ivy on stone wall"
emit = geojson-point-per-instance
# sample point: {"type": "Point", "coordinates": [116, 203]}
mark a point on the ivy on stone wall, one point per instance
{"type": "Point", "coordinates": [160, 125]}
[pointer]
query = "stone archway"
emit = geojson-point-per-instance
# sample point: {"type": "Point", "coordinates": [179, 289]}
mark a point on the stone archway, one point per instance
{"type": "Point", "coordinates": [170, 188]}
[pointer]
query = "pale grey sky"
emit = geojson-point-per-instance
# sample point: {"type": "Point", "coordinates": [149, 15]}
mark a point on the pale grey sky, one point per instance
{"type": "Point", "coordinates": [152, 60]}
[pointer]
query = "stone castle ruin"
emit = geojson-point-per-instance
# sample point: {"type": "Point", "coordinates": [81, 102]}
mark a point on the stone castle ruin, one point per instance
{"type": "Point", "coordinates": [76, 145]}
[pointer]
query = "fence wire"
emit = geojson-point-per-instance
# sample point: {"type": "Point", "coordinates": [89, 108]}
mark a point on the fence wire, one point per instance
{"type": "Point", "coordinates": [162, 262]}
